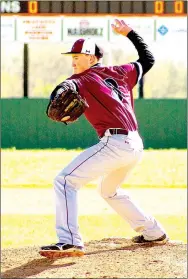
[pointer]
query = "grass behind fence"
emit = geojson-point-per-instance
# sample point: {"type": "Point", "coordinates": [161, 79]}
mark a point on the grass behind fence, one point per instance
{"type": "Point", "coordinates": [25, 230]}
{"type": "Point", "coordinates": [37, 168]}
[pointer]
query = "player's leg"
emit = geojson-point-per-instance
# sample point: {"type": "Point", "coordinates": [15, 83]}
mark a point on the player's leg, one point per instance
{"type": "Point", "coordinates": [121, 202]}
{"type": "Point", "coordinates": [66, 185]}
{"type": "Point", "coordinates": [88, 165]}
{"type": "Point", "coordinates": [104, 157]}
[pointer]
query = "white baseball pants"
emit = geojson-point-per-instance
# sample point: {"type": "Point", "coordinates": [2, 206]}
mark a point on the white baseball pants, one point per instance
{"type": "Point", "coordinates": [112, 159]}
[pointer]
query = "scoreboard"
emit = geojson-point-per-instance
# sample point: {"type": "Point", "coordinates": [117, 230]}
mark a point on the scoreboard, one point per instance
{"type": "Point", "coordinates": [159, 8]}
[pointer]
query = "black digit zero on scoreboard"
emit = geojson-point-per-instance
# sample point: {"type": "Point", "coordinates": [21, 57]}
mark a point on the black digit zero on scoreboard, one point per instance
{"type": "Point", "coordinates": [135, 8]}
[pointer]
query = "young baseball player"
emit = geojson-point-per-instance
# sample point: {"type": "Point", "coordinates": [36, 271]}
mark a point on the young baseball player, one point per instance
{"type": "Point", "coordinates": [108, 91]}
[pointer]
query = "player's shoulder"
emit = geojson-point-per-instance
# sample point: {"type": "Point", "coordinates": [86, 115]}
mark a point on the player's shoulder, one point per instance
{"type": "Point", "coordinates": [125, 66]}
{"type": "Point", "coordinates": [119, 67]}
{"type": "Point", "coordinates": [102, 69]}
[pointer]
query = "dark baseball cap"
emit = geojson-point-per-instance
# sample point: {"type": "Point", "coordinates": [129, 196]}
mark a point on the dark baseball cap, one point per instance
{"type": "Point", "coordinates": [86, 46]}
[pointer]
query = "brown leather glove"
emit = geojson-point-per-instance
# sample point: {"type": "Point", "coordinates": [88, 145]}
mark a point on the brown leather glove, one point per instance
{"type": "Point", "coordinates": [66, 105]}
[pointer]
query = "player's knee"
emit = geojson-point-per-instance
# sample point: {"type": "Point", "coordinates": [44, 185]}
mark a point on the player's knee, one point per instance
{"type": "Point", "coordinates": [105, 193]}
{"type": "Point", "coordinates": [65, 180]}
{"type": "Point", "coordinates": [110, 194]}
{"type": "Point", "coordinates": [59, 181]}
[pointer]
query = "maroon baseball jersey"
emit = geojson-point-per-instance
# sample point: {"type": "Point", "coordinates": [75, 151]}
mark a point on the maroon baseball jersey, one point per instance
{"type": "Point", "coordinates": [108, 91]}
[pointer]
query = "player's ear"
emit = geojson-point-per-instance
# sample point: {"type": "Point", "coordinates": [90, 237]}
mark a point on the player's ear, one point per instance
{"type": "Point", "coordinates": [92, 59]}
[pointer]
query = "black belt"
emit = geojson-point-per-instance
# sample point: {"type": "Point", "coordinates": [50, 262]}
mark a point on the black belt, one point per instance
{"type": "Point", "coordinates": [118, 132]}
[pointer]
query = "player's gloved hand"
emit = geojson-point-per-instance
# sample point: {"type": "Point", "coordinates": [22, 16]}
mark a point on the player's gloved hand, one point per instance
{"type": "Point", "coordinates": [66, 105]}
{"type": "Point", "coordinates": [120, 27]}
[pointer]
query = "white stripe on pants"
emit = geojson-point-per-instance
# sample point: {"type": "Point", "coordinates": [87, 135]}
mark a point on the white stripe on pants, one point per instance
{"type": "Point", "coordinates": [112, 159]}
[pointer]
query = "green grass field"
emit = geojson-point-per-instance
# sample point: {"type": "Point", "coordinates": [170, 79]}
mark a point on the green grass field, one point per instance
{"type": "Point", "coordinates": [25, 230]}
{"type": "Point", "coordinates": [33, 168]}
{"type": "Point", "coordinates": [160, 169]}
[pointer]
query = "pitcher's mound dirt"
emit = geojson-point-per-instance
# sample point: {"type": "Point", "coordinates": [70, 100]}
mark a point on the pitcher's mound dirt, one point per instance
{"type": "Point", "coordinates": [107, 258]}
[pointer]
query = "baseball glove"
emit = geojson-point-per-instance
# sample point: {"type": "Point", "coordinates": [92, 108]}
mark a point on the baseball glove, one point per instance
{"type": "Point", "coordinates": [66, 104]}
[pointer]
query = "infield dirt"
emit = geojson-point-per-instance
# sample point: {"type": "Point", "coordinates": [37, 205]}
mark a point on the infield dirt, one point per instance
{"type": "Point", "coordinates": [107, 258]}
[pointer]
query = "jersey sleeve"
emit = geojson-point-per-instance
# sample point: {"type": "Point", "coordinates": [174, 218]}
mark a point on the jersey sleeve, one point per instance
{"type": "Point", "coordinates": [133, 71]}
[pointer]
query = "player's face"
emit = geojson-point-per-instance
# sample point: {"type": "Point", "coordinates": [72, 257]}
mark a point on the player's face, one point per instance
{"type": "Point", "coordinates": [81, 63]}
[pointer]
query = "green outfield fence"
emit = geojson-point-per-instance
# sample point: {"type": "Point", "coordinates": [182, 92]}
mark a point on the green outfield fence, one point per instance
{"type": "Point", "coordinates": [24, 124]}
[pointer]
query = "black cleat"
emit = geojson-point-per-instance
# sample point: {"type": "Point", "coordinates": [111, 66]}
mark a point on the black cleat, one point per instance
{"type": "Point", "coordinates": [61, 250]}
{"type": "Point", "coordinates": [140, 239]}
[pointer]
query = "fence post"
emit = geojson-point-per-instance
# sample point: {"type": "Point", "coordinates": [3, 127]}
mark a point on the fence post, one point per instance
{"type": "Point", "coordinates": [25, 71]}
{"type": "Point", "coordinates": [141, 88]}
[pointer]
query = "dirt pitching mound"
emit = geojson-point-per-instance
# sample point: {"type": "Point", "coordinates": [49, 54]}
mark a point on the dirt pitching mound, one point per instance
{"type": "Point", "coordinates": [107, 258]}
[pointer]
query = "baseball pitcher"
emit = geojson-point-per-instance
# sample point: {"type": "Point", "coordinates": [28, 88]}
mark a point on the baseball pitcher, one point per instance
{"type": "Point", "coordinates": [104, 95]}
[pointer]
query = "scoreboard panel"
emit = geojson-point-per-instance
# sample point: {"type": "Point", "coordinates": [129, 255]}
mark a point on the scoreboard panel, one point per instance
{"type": "Point", "coordinates": [161, 8]}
